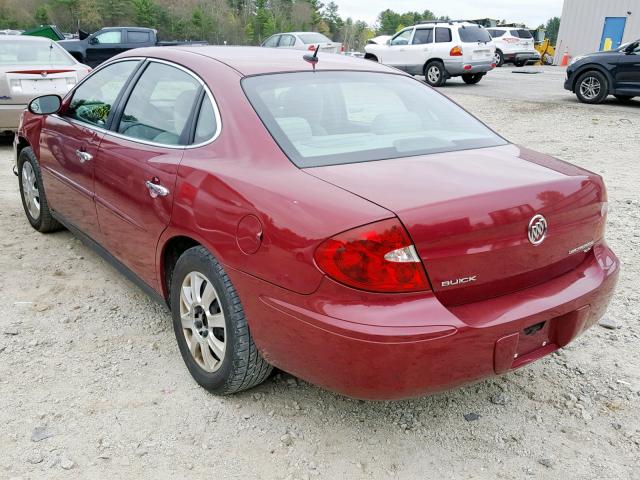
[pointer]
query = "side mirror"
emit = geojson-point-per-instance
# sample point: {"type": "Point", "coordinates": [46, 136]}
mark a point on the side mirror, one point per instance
{"type": "Point", "coordinates": [45, 105]}
{"type": "Point", "coordinates": [93, 41]}
{"type": "Point", "coordinates": [631, 48]}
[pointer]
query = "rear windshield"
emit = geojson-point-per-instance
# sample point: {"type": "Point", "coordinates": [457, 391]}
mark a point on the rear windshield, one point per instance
{"type": "Point", "coordinates": [308, 38]}
{"type": "Point", "coordinates": [522, 33]}
{"type": "Point", "coordinates": [16, 52]}
{"type": "Point", "coordinates": [474, 34]}
{"type": "Point", "coordinates": [330, 118]}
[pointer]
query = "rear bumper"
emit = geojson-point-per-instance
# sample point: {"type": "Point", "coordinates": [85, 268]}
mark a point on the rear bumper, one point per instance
{"type": "Point", "coordinates": [391, 347]}
{"type": "Point", "coordinates": [522, 57]}
{"type": "Point", "coordinates": [10, 116]}
{"type": "Point", "coordinates": [456, 68]}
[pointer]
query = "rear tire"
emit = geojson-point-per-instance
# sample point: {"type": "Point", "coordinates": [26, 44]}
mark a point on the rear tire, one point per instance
{"type": "Point", "coordinates": [624, 98]}
{"type": "Point", "coordinates": [499, 58]}
{"type": "Point", "coordinates": [34, 200]}
{"type": "Point", "coordinates": [370, 56]}
{"type": "Point", "coordinates": [435, 74]}
{"type": "Point", "coordinates": [519, 63]}
{"type": "Point", "coordinates": [592, 87]}
{"type": "Point", "coordinates": [472, 78]}
{"type": "Point", "coordinates": [211, 328]}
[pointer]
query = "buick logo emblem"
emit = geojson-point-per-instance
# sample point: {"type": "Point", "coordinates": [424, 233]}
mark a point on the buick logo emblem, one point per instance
{"type": "Point", "coordinates": [44, 74]}
{"type": "Point", "coordinates": [537, 230]}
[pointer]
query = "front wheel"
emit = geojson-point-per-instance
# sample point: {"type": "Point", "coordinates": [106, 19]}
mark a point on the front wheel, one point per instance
{"type": "Point", "coordinates": [211, 328]}
{"type": "Point", "coordinates": [473, 78]}
{"type": "Point", "coordinates": [34, 200]}
{"type": "Point", "coordinates": [592, 87]}
{"type": "Point", "coordinates": [434, 74]}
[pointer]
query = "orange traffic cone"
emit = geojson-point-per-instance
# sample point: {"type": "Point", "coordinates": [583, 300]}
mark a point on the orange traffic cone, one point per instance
{"type": "Point", "coordinates": [565, 58]}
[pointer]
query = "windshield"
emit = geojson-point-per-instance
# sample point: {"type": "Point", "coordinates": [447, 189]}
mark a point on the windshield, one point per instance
{"type": "Point", "coordinates": [308, 38]}
{"type": "Point", "coordinates": [17, 52]}
{"type": "Point", "coordinates": [474, 34]}
{"type": "Point", "coordinates": [329, 118]}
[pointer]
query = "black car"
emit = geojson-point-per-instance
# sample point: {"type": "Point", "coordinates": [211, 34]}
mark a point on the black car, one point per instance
{"type": "Point", "coordinates": [595, 76]}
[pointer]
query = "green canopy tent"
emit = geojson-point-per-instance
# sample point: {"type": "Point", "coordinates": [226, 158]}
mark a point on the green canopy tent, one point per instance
{"type": "Point", "coordinates": [48, 31]}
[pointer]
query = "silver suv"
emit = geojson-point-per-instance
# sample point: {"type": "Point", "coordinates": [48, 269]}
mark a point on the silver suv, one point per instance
{"type": "Point", "coordinates": [438, 50]}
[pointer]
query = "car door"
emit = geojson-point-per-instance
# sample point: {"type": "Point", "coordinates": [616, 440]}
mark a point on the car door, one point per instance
{"type": "Point", "coordinates": [104, 45]}
{"type": "Point", "coordinates": [70, 140]}
{"type": "Point", "coordinates": [136, 38]}
{"type": "Point", "coordinates": [396, 54]}
{"type": "Point", "coordinates": [420, 50]}
{"type": "Point", "coordinates": [628, 71]}
{"type": "Point", "coordinates": [138, 160]}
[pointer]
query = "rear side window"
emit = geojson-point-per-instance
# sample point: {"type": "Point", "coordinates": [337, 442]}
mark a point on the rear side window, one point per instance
{"type": "Point", "coordinates": [138, 37]}
{"type": "Point", "coordinates": [93, 99]}
{"type": "Point", "coordinates": [160, 105]}
{"type": "Point", "coordinates": [474, 35]}
{"type": "Point", "coordinates": [207, 124]}
{"type": "Point", "coordinates": [443, 35]}
{"type": "Point", "coordinates": [332, 118]}
{"type": "Point", "coordinates": [423, 36]}
{"type": "Point", "coordinates": [497, 33]}
{"type": "Point", "coordinates": [287, 41]}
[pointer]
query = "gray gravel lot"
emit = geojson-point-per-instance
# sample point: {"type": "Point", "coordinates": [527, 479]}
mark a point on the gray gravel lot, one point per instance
{"type": "Point", "coordinates": [92, 384]}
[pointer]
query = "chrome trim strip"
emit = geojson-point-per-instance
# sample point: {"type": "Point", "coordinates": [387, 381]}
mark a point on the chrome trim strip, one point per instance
{"type": "Point", "coordinates": [216, 110]}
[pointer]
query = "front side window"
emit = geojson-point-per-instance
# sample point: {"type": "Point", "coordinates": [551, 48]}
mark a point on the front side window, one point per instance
{"type": "Point", "coordinates": [287, 41]}
{"type": "Point", "coordinates": [114, 36]}
{"type": "Point", "coordinates": [30, 52]}
{"type": "Point", "coordinates": [402, 38]}
{"type": "Point", "coordinates": [271, 42]}
{"type": "Point", "coordinates": [330, 118]}
{"type": "Point", "coordinates": [138, 37]}
{"type": "Point", "coordinates": [443, 35]}
{"type": "Point", "coordinates": [160, 105]}
{"type": "Point", "coordinates": [423, 36]}
{"type": "Point", "coordinates": [93, 99]}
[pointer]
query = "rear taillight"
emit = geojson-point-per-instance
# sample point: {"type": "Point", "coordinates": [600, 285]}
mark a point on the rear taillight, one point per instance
{"type": "Point", "coordinates": [456, 51]}
{"type": "Point", "coordinates": [378, 257]}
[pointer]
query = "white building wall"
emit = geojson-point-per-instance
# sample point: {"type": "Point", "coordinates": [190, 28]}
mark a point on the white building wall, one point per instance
{"type": "Point", "coordinates": [583, 21]}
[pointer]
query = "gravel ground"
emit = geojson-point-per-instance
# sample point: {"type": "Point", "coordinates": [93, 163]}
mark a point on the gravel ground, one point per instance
{"type": "Point", "coordinates": [92, 383]}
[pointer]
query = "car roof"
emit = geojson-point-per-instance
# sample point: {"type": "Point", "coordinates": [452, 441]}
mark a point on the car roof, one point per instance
{"type": "Point", "coordinates": [25, 38]}
{"type": "Point", "coordinates": [258, 60]}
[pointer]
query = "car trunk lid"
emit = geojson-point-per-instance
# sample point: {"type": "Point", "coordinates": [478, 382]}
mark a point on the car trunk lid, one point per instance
{"type": "Point", "coordinates": [468, 214]}
{"type": "Point", "coordinates": [22, 83]}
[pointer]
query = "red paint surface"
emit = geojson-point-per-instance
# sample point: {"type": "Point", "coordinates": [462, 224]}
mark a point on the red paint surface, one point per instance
{"type": "Point", "coordinates": [467, 213]}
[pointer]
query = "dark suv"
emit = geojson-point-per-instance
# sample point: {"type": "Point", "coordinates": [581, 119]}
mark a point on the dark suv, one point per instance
{"type": "Point", "coordinates": [595, 76]}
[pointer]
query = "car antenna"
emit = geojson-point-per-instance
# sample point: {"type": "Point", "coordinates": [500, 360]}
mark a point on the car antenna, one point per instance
{"type": "Point", "coordinates": [312, 59]}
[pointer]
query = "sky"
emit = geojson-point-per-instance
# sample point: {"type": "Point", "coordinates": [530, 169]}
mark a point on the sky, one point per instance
{"type": "Point", "coordinates": [530, 12]}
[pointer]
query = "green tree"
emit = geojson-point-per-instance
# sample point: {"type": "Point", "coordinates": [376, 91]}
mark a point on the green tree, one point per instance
{"type": "Point", "coordinates": [145, 12]}
{"type": "Point", "coordinates": [552, 26]}
{"type": "Point", "coordinates": [114, 12]}
{"type": "Point", "coordinates": [41, 15]}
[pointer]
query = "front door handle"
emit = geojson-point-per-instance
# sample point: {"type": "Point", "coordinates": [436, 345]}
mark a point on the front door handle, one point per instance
{"type": "Point", "coordinates": [156, 190]}
{"type": "Point", "coordinates": [84, 156]}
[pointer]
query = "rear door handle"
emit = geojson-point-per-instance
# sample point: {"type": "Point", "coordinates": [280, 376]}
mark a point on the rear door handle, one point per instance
{"type": "Point", "coordinates": [156, 190]}
{"type": "Point", "coordinates": [84, 156]}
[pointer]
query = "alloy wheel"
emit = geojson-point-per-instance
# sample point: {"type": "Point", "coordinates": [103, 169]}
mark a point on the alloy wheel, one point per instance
{"type": "Point", "coordinates": [590, 88]}
{"type": "Point", "coordinates": [433, 74]}
{"type": "Point", "coordinates": [203, 321]}
{"type": "Point", "coordinates": [30, 190]}
{"type": "Point", "coordinates": [496, 58]}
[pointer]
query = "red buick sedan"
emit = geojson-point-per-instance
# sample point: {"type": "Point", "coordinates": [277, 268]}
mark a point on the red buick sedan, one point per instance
{"type": "Point", "coordinates": [341, 221]}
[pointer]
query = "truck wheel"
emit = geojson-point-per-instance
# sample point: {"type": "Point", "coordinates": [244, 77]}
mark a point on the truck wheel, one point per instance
{"type": "Point", "coordinates": [211, 327]}
{"type": "Point", "coordinates": [434, 73]}
{"type": "Point", "coordinates": [498, 58]}
{"type": "Point", "coordinates": [34, 200]}
{"type": "Point", "coordinates": [472, 78]}
{"type": "Point", "coordinates": [592, 87]}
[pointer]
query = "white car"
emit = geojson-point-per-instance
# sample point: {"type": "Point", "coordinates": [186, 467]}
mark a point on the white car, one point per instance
{"type": "Point", "coordinates": [302, 41]}
{"type": "Point", "coordinates": [513, 45]}
{"type": "Point", "coordinates": [438, 50]}
{"type": "Point", "coordinates": [31, 67]}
